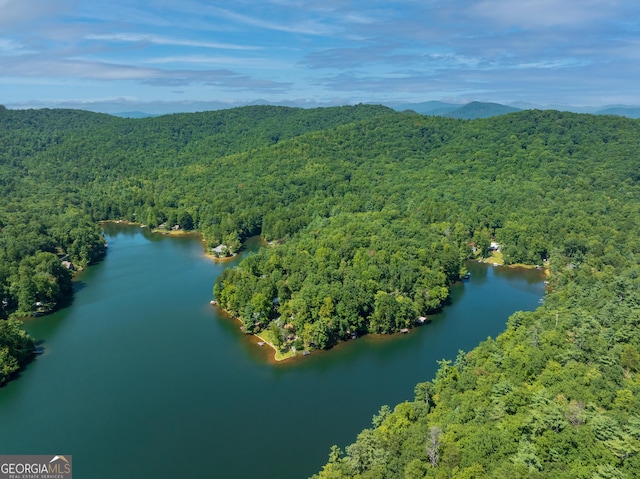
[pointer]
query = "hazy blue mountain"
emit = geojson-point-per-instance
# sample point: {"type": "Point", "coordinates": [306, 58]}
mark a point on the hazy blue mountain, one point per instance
{"type": "Point", "coordinates": [135, 109]}
{"type": "Point", "coordinates": [428, 107]}
{"type": "Point", "coordinates": [444, 111]}
{"type": "Point", "coordinates": [554, 106]}
{"type": "Point", "coordinates": [477, 109]}
{"type": "Point", "coordinates": [469, 111]}
{"type": "Point", "coordinates": [628, 111]}
{"type": "Point", "coordinates": [133, 114]}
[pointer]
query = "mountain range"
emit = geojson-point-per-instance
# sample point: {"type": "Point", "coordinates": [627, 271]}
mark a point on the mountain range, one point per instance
{"type": "Point", "coordinates": [472, 110]}
{"type": "Point", "coordinates": [477, 109]}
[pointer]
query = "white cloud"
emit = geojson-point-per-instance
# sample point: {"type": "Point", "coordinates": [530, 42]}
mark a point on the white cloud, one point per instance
{"type": "Point", "coordinates": [550, 64]}
{"type": "Point", "coordinates": [160, 40]}
{"type": "Point", "coordinates": [251, 62]}
{"type": "Point", "coordinates": [96, 70]}
{"type": "Point", "coordinates": [291, 25]}
{"type": "Point", "coordinates": [11, 47]}
{"type": "Point", "coordinates": [36, 66]}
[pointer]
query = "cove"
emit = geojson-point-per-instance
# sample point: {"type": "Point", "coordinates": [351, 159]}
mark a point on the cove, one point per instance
{"type": "Point", "coordinates": [141, 377]}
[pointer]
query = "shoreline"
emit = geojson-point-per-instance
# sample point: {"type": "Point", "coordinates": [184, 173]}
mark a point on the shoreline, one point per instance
{"type": "Point", "coordinates": [175, 233]}
{"type": "Point", "coordinates": [205, 244]}
{"type": "Point", "coordinates": [277, 356]}
{"type": "Point", "coordinates": [262, 338]}
{"type": "Point", "coordinates": [498, 261]}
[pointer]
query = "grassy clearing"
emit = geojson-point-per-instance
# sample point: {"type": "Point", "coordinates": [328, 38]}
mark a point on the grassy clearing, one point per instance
{"type": "Point", "coordinates": [267, 337]}
{"type": "Point", "coordinates": [496, 257]}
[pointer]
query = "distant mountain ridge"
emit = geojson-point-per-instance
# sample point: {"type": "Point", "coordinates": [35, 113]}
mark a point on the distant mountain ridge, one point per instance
{"type": "Point", "coordinates": [428, 107]}
{"type": "Point", "coordinates": [134, 114]}
{"type": "Point", "coordinates": [629, 112]}
{"type": "Point", "coordinates": [477, 109]}
{"type": "Point", "coordinates": [469, 111]}
{"type": "Point", "coordinates": [472, 110]}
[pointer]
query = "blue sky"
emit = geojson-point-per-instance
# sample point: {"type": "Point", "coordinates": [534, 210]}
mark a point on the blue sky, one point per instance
{"type": "Point", "coordinates": [573, 52]}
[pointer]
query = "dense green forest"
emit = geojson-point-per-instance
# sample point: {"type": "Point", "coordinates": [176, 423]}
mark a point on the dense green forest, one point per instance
{"type": "Point", "coordinates": [61, 171]}
{"type": "Point", "coordinates": [371, 214]}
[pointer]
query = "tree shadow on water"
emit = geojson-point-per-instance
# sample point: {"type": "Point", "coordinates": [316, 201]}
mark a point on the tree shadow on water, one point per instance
{"type": "Point", "coordinates": [78, 286]}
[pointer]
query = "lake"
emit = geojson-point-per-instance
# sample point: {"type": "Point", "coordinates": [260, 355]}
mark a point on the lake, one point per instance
{"type": "Point", "coordinates": [142, 378]}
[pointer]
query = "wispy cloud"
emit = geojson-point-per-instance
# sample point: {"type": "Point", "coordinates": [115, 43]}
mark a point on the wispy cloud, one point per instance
{"type": "Point", "coordinates": [104, 71]}
{"type": "Point", "coordinates": [34, 66]}
{"type": "Point", "coordinates": [160, 40]}
{"type": "Point", "coordinates": [302, 26]}
{"type": "Point", "coordinates": [221, 78]}
{"type": "Point", "coordinates": [10, 47]}
{"type": "Point", "coordinates": [354, 57]}
{"type": "Point", "coordinates": [260, 63]}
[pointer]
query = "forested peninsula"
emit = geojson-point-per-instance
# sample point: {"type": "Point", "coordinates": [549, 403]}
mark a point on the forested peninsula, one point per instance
{"type": "Point", "coordinates": [371, 214]}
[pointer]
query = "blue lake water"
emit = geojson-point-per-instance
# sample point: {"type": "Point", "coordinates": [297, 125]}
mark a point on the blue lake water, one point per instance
{"type": "Point", "coordinates": [141, 377]}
